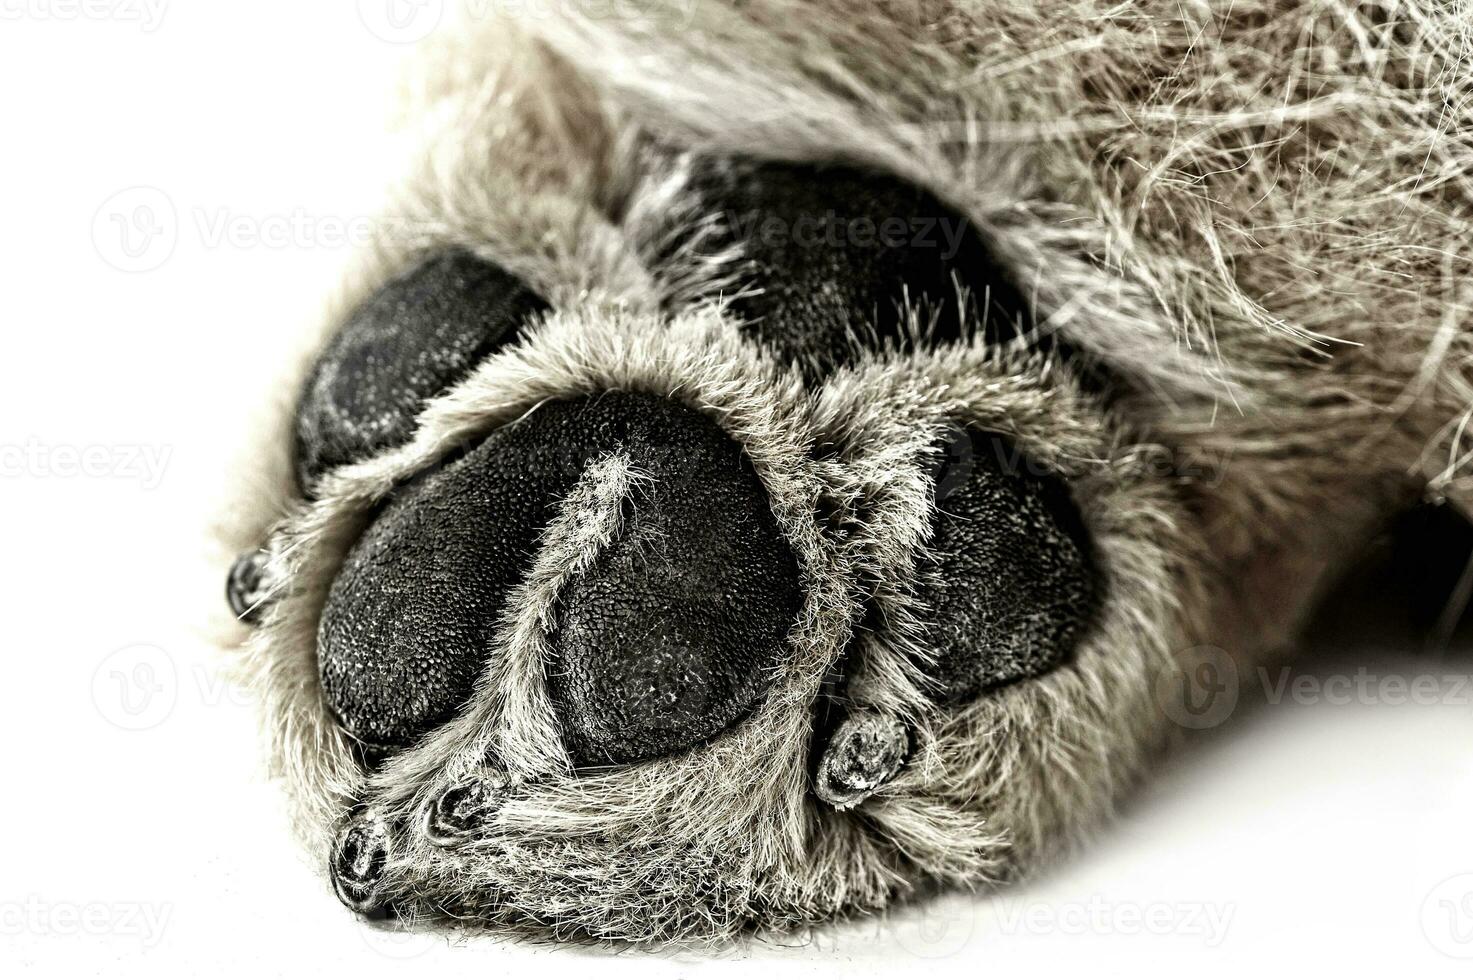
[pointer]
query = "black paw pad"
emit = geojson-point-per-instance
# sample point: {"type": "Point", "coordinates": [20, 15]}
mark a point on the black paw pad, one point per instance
{"type": "Point", "coordinates": [412, 340]}
{"type": "Point", "coordinates": [834, 254]}
{"type": "Point", "coordinates": [668, 638]}
{"type": "Point", "coordinates": [659, 652]}
{"type": "Point", "coordinates": [360, 857]}
{"type": "Point", "coordinates": [864, 753]}
{"type": "Point", "coordinates": [1014, 582]}
{"type": "Point", "coordinates": [461, 810]}
{"type": "Point", "coordinates": [672, 635]}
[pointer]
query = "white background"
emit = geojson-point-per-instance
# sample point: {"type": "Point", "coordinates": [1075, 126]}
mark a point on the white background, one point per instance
{"type": "Point", "coordinates": [138, 834]}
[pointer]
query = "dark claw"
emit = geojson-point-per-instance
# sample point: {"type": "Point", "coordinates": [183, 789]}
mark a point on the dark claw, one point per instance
{"type": "Point", "coordinates": [359, 859]}
{"type": "Point", "coordinates": [459, 811]}
{"type": "Point", "coordinates": [863, 754]}
{"type": "Point", "coordinates": [249, 586]}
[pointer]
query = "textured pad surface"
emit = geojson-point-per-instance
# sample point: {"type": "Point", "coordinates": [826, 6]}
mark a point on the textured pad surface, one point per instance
{"type": "Point", "coordinates": [835, 251]}
{"type": "Point", "coordinates": [668, 639]}
{"type": "Point", "coordinates": [1016, 583]}
{"type": "Point", "coordinates": [412, 340]}
{"type": "Point", "coordinates": [675, 632]}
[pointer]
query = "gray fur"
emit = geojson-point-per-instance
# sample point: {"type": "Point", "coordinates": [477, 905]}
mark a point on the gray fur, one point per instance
{"type": "Point", "coordinates": [1204, 230]}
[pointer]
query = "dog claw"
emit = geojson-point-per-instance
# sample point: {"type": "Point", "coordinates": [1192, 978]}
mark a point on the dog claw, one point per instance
{"type": "Point", "coordinates": [866, 751]}
{"type": "Point", "coordinates": [359, 859]}
{"type": "Point", "coordinates": [456, 813]}
{"type": "Point", "coordinates": [249, 586]}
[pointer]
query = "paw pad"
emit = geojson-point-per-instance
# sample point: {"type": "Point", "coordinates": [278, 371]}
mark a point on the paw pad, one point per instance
{"type": "Point", "coordinates": [412, 340]}
{"type": "Point", "coordinates": [667, 639]}
{"type": "Point", "coordinates": [1011, 580]}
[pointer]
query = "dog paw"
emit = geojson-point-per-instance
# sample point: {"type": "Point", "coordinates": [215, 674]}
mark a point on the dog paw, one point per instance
{"type": "Point", "coordinates": [665, 618]}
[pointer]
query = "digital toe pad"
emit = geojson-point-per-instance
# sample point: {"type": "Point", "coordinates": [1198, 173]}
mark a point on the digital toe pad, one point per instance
{"type": "Point", "coordinates": [414, 338]}
{"type": "Point", "coordinates": [1009, 579]}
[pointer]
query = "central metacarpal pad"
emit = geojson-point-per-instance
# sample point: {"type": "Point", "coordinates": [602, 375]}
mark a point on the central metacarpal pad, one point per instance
{"type": "Point", "coordinates": [667, 639]}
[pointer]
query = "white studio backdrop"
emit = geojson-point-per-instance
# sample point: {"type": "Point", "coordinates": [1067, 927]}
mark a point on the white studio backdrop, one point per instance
{"type": "Point", "coordinates": [179, 187]}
